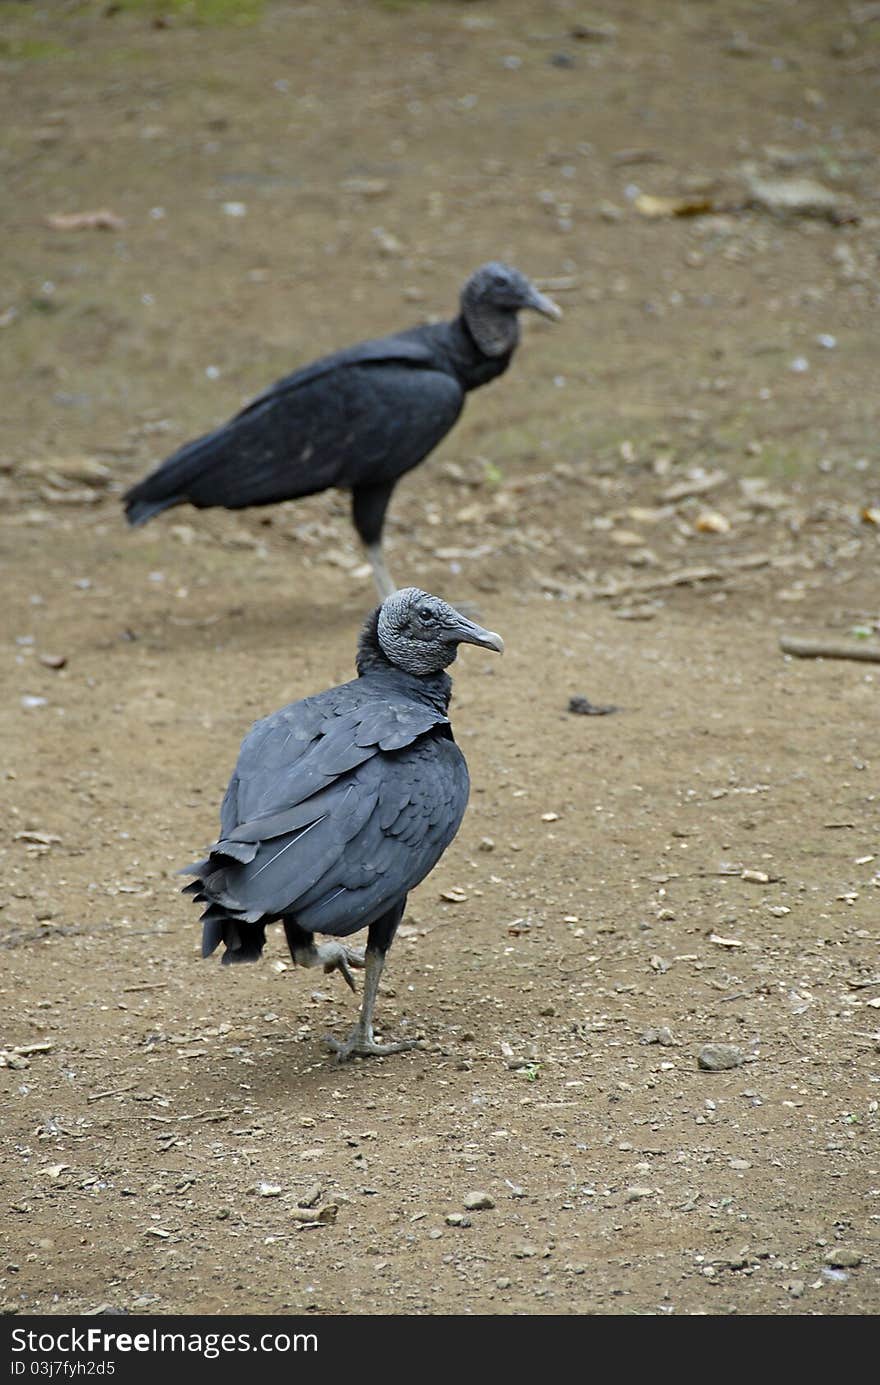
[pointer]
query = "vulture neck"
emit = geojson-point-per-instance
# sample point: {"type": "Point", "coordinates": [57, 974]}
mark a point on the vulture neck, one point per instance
{"type": "Point", "coordinates": [433, 688]}
{"type": "Point", "coordinates": [473, 364]}
{"type": "Point", "coordinates": [496, 333]}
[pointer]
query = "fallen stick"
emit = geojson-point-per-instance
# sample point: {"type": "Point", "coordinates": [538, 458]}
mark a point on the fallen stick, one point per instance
{"type": "Point", "coordinates": [828, 649]}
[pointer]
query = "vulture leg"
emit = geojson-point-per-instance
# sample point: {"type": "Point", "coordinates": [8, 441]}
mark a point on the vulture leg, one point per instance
{"type": "Point", "coordinates": [360, 1040]}
{"type": "Point", "coordinates": [332, 956]}
{"type": "Point", "coordinates": [385, 584]}
{"type": "Point", "coordinates": [368, 506]}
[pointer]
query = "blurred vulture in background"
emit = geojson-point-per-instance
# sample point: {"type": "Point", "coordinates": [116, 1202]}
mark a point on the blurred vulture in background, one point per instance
{"type": "Point", "coordinates": [358, 420]}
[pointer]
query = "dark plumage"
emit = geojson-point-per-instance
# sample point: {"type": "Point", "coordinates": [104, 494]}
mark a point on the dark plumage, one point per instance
{"type": "Point", "coordinates": [340, 804]}
{"type": "Point", "coordinates": [357, 420]}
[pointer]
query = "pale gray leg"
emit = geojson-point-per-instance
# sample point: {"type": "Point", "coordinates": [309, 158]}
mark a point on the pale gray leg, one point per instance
{"type": "Point", "coordinates": [360, 1040]}
{"type": "Point", "coordinates": [330, 956]}
{"type": "Point", "coordinates": [381, 576]}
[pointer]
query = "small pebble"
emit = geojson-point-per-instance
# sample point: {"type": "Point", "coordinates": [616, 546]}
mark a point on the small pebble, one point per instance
{"type": "Point", "coordinates": [478, 1202]}
{"type": "Point", "coordinates": [719, 1057]}
{"type": "Point", "coordinates": [582, 706]}
{"type": "Point", "coordinates": [843, 1258]}
{"type": "Point", "coordinates": [457, 1219]}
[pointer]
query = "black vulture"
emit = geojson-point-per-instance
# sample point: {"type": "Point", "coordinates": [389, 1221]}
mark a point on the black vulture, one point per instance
{"type": "Point", "coordinates": [358, 420]}
{"type": "Point", "coordinates": [341, 803]}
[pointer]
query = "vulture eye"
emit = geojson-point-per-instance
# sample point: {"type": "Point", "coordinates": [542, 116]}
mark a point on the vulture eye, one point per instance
{"type": "Point", "coordinates": [427, 615]}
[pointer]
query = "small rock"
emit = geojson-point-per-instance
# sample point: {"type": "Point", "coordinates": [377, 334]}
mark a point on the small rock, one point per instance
{"type": "Point", "coordinates": [366, 187]}
{"type": "Point", "coordinates": [843, 1258]}
{"type": "Point", "coordinates": [502, 1283]}
{"type": "Point", "coordinates": [269, 1189]}
{"type": "Point", "coordinates": [719, 1057]}
{"type": "Point", "coordinates": [478, 1202]}
{"type": "Point", "coordinates": [794, 197]}
{"type": "Point", "coordinates": [638, 1192]}
{"type": "Point", "coordinates": [663, 1035]}
{"type": "Point", "coordinates": [457, 1219]}
{"type": "Point", "coordinates": [583, 707]}
{"type": "Point", "coordinates": [795, 1287]}
{"type": "Point", "coordinates": [525, 1251]}
{"type": "Point", "coordinates": [311, 1197]}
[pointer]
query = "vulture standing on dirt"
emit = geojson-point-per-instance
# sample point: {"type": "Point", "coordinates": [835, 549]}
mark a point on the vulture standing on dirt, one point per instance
{"type": "Point", "coordinates": [358, 420]}
{"type": "Point", "coordinates": [340, 804]}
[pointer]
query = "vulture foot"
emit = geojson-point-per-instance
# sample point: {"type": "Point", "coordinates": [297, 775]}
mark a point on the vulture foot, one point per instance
{"type": "Point", "coordinates": [332, 957]}
{"type": "Point", "coordinates": [360, 1043]}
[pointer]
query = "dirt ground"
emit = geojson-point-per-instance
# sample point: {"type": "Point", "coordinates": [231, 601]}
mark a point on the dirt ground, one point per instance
{"type": "Point", "coordinates": [681, 471]}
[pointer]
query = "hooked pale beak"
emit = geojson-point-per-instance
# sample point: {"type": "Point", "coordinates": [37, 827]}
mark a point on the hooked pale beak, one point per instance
{"type": "Point", "coordinates": [468, 632]}
{"type": "Point", "coordinates": [543, 305]}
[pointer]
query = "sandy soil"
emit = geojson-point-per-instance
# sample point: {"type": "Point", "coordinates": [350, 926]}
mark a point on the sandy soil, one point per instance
{"type": "Point", "coordinates": [681, 471]}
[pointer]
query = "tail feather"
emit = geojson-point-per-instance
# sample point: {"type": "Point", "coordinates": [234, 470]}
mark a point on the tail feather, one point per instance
{"type": "Point", "coordinates": [243, 942]}
{"type": "Point", "coordinates": [186, 475]}
{"type": "Point", "coordinates": [137, 512]}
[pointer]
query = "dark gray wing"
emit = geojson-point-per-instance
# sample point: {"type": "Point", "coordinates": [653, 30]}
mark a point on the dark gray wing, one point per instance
{"type": "Point", "coordinates": [364, 416]}
{"type": "Point", "coordinates": [296, 752]}
{"type": "Point", "coordinates": [308, 780]}
{"type": "Point", "coordinates": [345, 855]}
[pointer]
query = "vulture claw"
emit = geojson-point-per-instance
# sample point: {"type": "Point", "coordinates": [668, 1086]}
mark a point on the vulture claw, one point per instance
{"type": "Point", "coordinates": [360, 1043]}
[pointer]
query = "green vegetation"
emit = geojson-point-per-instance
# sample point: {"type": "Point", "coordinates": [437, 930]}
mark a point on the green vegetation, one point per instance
{"type": "Point", "coordinates": [29, 49]}
{"type": "Point", "coordinates": [199, 11]}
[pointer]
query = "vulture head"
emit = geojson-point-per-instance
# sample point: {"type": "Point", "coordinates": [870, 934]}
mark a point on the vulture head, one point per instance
{"type": "Point", "coordinates": [420, 633]}
{"type": "Point", "coordinates": [490, 301]}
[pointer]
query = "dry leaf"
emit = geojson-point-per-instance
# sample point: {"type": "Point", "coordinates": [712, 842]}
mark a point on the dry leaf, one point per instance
{"type": "Point", "coordinates": [324, 1216]}
{"type": "Point", "coordinates": [102, 220]}
{"type": "Point", "coordinates": [711, 522]}
{"type": "Point", "coordinates": [653, 207]}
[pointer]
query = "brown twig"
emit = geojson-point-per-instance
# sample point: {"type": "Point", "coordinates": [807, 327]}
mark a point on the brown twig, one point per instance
{"type": "Point", "coordinates": [828, 649]}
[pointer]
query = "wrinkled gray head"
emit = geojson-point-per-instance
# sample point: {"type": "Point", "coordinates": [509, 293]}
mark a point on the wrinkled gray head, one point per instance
{"type": "Point", "coordinates": [421, 634]}
{"type": "Point", "coordinates": [490, 301]}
